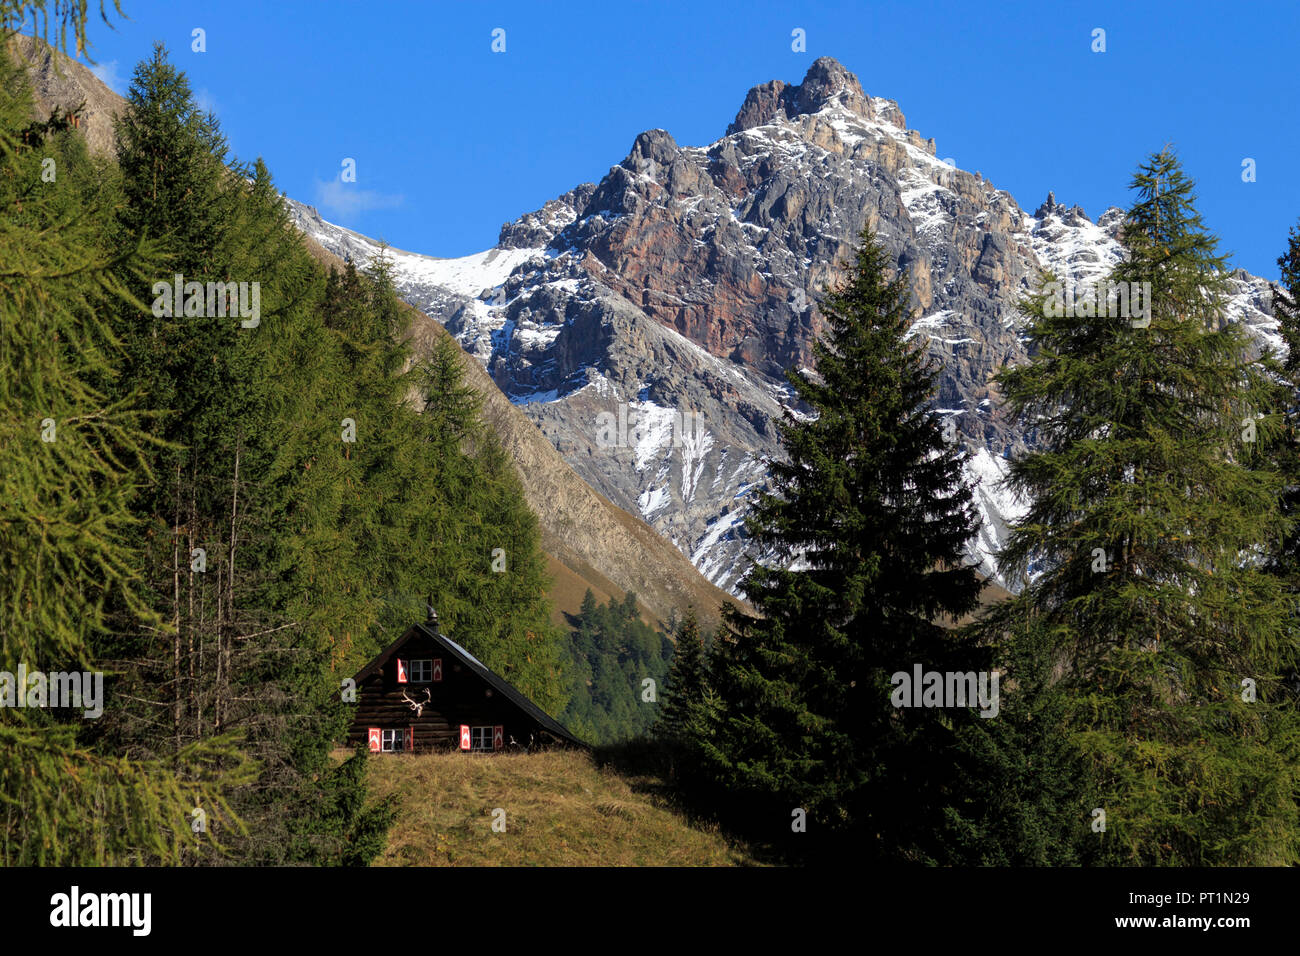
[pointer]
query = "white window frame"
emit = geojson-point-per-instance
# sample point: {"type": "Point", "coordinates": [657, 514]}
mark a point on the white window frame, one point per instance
{"type": "Point", "coordinates": [393, 740]}
{"type": "Point", "coordinates": [415, 668]}
{"type": "Point", "coordinates": [477, 734]}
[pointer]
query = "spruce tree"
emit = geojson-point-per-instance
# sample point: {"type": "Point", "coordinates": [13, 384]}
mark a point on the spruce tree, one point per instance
{"type": "Point", "coordinates": [867, 522]}
{"type": "Point", "coordinates": [1150, 502]}
{"type": "Point", "coordinates": [1014, 797]}
{"type": "Point", "coordinates": [680, 721]}
{"type": "Point", "coordinates": [1285, 555]}
{"type": "Point", "coordinates": [691, 708]}
{"type": "Point", "coordinates": [1283, 558]}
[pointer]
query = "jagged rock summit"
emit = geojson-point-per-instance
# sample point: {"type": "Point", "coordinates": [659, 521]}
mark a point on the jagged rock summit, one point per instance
{"type": "Point", "coordinates": [825, 80]}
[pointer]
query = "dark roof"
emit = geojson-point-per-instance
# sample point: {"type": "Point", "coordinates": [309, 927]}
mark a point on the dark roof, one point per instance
{"type": "Point", "coordinates": [496, 681]}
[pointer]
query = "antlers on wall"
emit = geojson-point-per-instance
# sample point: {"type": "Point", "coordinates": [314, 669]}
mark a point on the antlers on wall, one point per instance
{"type": "Point", "coordinates": [418, 705]}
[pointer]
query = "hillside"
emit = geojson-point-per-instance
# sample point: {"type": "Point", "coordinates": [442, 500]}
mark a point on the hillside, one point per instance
{"type": "Point", "coordinates": [560, 810]}
{"type": "Point", "coordinates": [604, 547]}
{"type": "Point", "coordinates": [592, 543]}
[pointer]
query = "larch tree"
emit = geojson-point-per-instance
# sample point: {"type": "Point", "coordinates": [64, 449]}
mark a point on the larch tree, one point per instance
{"type": "Point", "coordinates": [72, 461]}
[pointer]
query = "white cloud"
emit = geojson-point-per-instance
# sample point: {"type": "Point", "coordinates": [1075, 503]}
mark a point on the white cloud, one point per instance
{"type": "Point", "coordinates": [205, 101]}
{"type": "Point", "coordinates": [107, 74]}
{"type": "Point", "coordinates": [346, 198]}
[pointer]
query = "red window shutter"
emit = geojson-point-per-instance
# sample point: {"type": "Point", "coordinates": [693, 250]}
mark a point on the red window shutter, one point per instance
{"type": "Point", "coordinates": [437, 668]}
{"type": "Point", "coordinates": [410, 739]}
{"type": "Point", "coordinates": [374, 737]}
{"type": "Point", "coordinates": [498, 737]}
{"type": "Point", "coordinates": [401, 671]}
{"type": "Point", "coordinates": [464, 736]}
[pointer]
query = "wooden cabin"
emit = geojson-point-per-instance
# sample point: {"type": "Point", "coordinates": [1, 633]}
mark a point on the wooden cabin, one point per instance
{"type": "Point", "coordinates": [425, 692]}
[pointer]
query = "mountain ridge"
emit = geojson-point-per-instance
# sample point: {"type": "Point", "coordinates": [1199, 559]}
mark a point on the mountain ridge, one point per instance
{"type": "Point", "coordinates": [688, 278]}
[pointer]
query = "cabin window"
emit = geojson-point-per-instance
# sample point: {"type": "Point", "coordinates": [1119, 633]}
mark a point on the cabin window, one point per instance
{"type": "Point", "coordinates": [421, 671]}
{"type": "Point", "coordinates": [425, 671]}
{"type": "Point", "coordinates": [480, 738]}
{"type": "Point", "coordinates": [395, 741]}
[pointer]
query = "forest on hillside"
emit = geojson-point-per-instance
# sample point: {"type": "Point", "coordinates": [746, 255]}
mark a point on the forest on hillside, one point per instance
{"type": "Point", "coordinates": [226, 508]}
{"type": "Point", "coordinates": [610, 656]}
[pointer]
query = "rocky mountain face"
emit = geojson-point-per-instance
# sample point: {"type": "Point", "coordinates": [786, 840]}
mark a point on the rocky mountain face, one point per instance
{"type": "Point", "coordinates": [58, 80]}
{"type": "Point", "coordinates": [643, 323]}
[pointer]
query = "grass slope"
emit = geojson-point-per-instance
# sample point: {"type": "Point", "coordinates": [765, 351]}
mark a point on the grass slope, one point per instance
{"type": "Point", "coordinates": [560, 810]}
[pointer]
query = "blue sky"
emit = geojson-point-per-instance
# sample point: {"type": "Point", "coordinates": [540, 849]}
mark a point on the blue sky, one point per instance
{"type": "Point", "coordinates": [451, 139]}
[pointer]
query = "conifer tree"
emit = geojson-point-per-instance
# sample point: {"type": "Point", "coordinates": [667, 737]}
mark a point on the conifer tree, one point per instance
{"type": "Point", "coordinates": [690, 711]}
{"type": "Point", "coordinates": [1286, 297]}
{"type": "Point", "coordinates": [1014, 798]}
{"type": "Point", "coordinates": [681, 722]}
{"type": "Point", "coordinates": [1150, 501]}
{"type": "Point", "coordinates": [1283, 558]}
{"type": "Point", "coordinates": [1285, 555]}
{"type": "Point", "coordinates": [587, 610]}
{"type": "Point", "coordinates": [440, 478]}
{"type": "Point", "coordinates": [867, 521]}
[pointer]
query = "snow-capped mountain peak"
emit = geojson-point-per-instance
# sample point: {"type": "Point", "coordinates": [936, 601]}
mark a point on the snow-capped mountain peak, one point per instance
{"type": "Point", "coordinates": [682, 285]}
